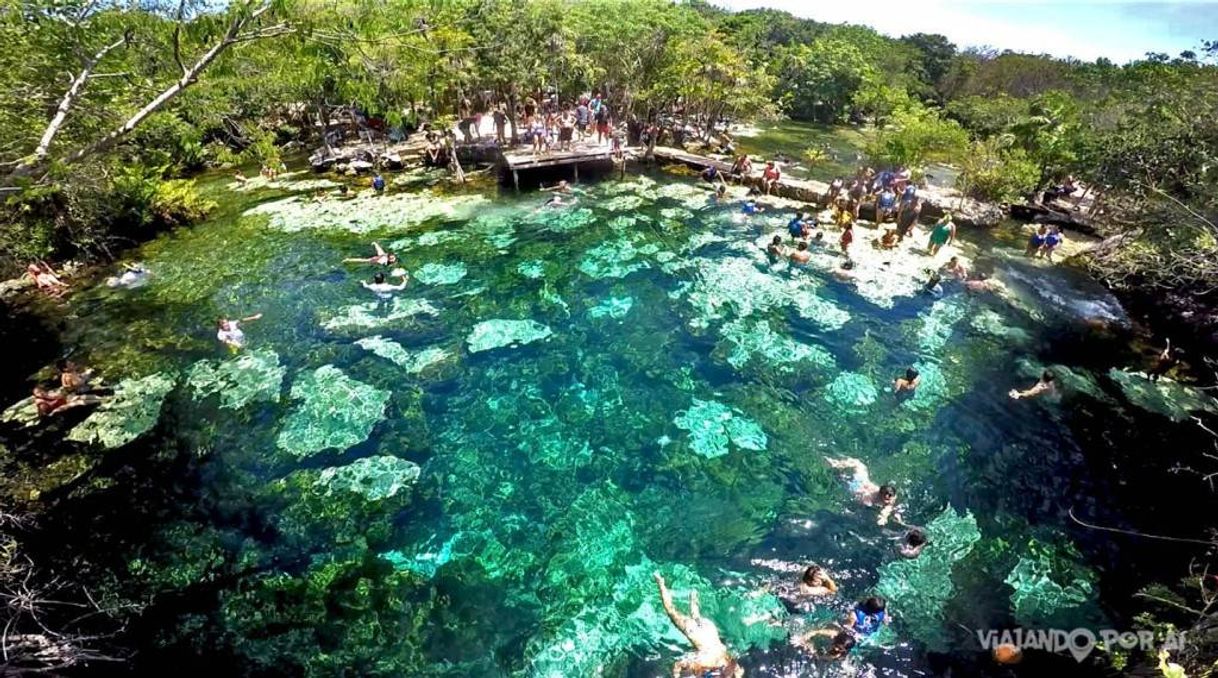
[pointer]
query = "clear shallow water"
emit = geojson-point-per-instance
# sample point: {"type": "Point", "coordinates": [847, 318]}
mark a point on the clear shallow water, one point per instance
{"type": "Point", "coordinates": [381, 485]}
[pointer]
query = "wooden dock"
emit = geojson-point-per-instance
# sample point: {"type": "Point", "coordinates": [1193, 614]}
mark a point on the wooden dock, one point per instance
{"type": "Point", "coordinates": [520, 160]}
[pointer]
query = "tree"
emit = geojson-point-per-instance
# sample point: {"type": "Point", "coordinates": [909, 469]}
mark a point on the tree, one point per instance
{"type": "Point", "coordinates": [935, 54]}
{"type": "Point", "coordinates": [820, 81]}
{"type": "Point", "coordinates": [243, 22]}
{"type": "Point", "coordinates": [915, 135]}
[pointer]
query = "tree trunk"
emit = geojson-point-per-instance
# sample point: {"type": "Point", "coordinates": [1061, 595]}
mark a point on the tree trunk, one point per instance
{"type": "Point", "coordinates": [65, 105]}
{"type": "Point", "coordinates": [189, 76]}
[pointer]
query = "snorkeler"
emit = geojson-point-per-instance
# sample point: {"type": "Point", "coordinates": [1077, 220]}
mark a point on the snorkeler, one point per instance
{"type": "Point", "coordinates": [816, 582]}
{"type": "Point", "coordinates": [383, 289]}
{"type": "Point", "coordinates": [908, 383]}
{"type": "Point", "coordinates": [710, 655]}
{"type": "Point", "coordinates": [1046, 385]}
{"type": "Point", "coordinates": [133, 275]}
{"type": "Point", "coordinates": [230, 333]}
{"type": "Point", "coordinates": [751, 207]}
{"type": "Point", "coordinates": [912, 543]}
{"type": "Point", "coordinates": [864, 490]}
{"type": "Point", "coordinates": [381, 258]}
{"type": "Point", "coordinates": [556, 200]}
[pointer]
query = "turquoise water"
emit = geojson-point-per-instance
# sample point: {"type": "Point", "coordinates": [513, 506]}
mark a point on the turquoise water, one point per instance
{"type": "Point", "coordinates": [478, 475]}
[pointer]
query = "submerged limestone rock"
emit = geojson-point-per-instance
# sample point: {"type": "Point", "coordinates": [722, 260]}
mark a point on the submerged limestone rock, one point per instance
{"type": "Point", "coordinates": [367, 213]}
{"type": "Point", "coordinates": [253, 376]}
{"type": "Point", "coordinates": [613, 307]}
{"type": "Point", "coordinates": [712, 425]}
{"type": "Point", "coordinates": [612, 259]}
{"type": "Point", "coordinates": [131, 412]}
{"type": "Point", "coordinates": [533, 269]}
{"type": "Point", "coordinates": [939, 323]}
{"type": "Point", "coordinates": [1038, 599]}
{"type": "Point", "coordinates": [497, 333]}
{"type": "Point", "coordinates": [851, 391]}
{"type": "Point", "coordinates": [756, 340]}
{"type": "Point", "coordinates": [1165, 396]}
{"type": "Point", "coordinates": [412, 362]}
{"type": "Point", "coordinates": [376, 314]}
{"type": "Point", "coordinates": [919, 589]}
{"type": "Point", "coordinates": [440, 274]}
{"type": "Point", "coordinates": [375, 478]}
{"type": "Point", "coordinates": [335, 412]}
{"type": "Point", "coordinates": [738, 285]}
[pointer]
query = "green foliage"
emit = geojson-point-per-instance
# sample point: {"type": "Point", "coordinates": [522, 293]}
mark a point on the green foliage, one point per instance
{"type": "Point", "coordinates": [820, 81]}
{"type": "Point", "coordinates": [178, 203]}
{"type": "Point", "coordinates": [996, 172]}
{"type": "Point", "coordinates": [915, 135]}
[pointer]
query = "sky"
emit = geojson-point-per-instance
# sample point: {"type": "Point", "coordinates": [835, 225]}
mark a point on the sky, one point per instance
{"type": "Point", "coordinates": [1088, 29]}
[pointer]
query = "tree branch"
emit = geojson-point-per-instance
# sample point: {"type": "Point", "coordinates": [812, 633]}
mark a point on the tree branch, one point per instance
{"type": "Point", "coordinates": [65, 105]}
{"type": "Point", "coordinates": [236, 33]}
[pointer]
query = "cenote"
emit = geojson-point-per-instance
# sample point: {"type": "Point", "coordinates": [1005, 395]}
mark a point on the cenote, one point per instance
{"type": "Point", "coordinates": [479, 475]}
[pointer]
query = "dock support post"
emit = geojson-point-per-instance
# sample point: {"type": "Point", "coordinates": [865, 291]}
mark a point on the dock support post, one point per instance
{"type": "Point", "coordinates": [516, 180]}
{"type": "Point", "coordinates": [576, 166]}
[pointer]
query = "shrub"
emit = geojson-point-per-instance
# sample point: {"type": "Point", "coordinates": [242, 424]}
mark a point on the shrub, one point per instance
{"type": "Point", "coordinates": [178, 203]}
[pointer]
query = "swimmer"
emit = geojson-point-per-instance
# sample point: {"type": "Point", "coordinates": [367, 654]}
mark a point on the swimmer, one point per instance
{"type": "Point", "coordinates": [983, 283]}
{"type": "Point", "coordinates": [557, 201]}
{"type": "Point", "coordinates": [955, 268]}
{"type": "Point", "coordinates": [909, 382]}
{"type": "Point", "coordinates": [710, 655]}
{"type": "Point", "coordinates": [840, 643]}
{"type": "Point", "coordinates": [845, 271]}
{"type": "Point", "coordinates": [912, 543]}
{"type": "Point", "coordinates": [240, 177]}
{"type": "Point", "coordinates": [889, 240]}
{"type": "Point", "coordinates": [381, 258]}
{"type": "Point", "coordinates": [775, 249]}
{"type": "Point", "coordinates": [798, 228]}
{"type": "Point", "coordinates": [383, 289]}
{"type": "Point", "coordinates": [1046, 385]}
{"type": "Point", "coordinates": [868, 616]}
{"type": "Point", "coordinates": [230, 332]}
{"type": "Point", "coordinates": [561, 187]}
{"type": "Point", "coordinates": [816, 582]}
{"type": "Point", "coordinates": [751, 207]}
{"type": "Point", "coordinates": [133, 275]}
{"type": "Point", "coordinates": [378, 184]}
{"type": "Point", "coordinates": [864, 490]}
{"type": "Point", "coordinates": [801, 256]}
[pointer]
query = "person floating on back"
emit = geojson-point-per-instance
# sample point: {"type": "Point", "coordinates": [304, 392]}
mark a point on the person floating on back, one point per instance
{"type": "Point", "coordinates": [381, 258]}
{"type": "Point", "coordinates": [710, 656]}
